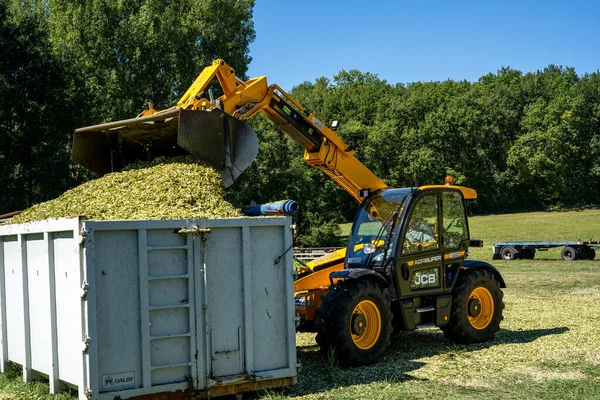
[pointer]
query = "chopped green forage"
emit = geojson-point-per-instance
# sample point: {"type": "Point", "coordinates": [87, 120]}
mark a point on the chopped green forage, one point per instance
{"type": "Point", "coordinates": [166, 188]}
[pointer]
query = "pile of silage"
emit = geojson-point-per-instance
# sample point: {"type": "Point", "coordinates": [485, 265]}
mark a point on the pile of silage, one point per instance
{"type": "Point", "coordinates": [173, 188]}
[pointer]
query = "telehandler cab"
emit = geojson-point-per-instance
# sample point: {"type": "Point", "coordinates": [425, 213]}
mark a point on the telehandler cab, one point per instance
{"type": "Point", "coordinates": [404, 266]}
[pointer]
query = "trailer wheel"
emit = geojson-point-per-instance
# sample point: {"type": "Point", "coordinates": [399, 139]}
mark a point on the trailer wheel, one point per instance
{"type": "Point", "coordinates": [508, 253]}
{"type": "Point", "coordinates": [568, 253]}
{"type": "Point", "coordinates": [476, 309]}
{"type": "Point", "coordinates": [355, 320]}
{"type": "Point", "coordinates": [587, 253]}
{"type": "Point", "coordinates": [591, 254]}
{"type": "Point", "coordinates": [528, 253]}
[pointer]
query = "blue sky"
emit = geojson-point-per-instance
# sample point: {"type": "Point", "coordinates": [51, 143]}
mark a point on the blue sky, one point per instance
{"type": "Point", "coordinates": [413, 41]}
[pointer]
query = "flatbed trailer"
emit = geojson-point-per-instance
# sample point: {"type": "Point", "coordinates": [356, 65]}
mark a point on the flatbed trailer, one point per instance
{"type": "Point", "coordinates": [576, 250]}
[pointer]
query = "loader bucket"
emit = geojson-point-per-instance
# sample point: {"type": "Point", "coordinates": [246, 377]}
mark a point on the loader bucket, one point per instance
{"type": "Point", "coordinates": [215, 137]}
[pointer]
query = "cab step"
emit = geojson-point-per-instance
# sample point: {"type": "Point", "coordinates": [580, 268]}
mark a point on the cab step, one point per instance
{"type": "Point", "coordinates": [424, 326]}
{"type": "Point", "coordinates": [424, 309]}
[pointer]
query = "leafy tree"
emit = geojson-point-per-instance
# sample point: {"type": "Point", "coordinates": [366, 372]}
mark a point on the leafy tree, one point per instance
{"type": "Point", "coordinates": [36, 110]}
{"type": "Point", "coordinates": [130, 52]}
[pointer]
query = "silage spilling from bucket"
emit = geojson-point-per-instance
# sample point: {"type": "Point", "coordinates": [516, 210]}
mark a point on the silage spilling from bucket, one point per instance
{"type": "Point", "coordinates": [175, 188]}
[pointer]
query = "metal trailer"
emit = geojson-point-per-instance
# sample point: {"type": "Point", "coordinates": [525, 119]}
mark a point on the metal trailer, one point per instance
{"type": "Point", "coordinates": [121, 309]}
{"type": "Point", "coordinates": [580, 250]}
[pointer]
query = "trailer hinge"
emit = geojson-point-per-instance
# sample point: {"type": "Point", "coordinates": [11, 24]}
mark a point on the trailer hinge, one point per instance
{"type": "Point", "coordinates": [84, 289]}
{"type": "Point", "coordinates": [193, 230]}
{"type": "Point", "coordinates": [82, 236]}
{"type": "Point", "coordinates": [85, 344]}
{"type": "Point", "coordinates": [88, 393]}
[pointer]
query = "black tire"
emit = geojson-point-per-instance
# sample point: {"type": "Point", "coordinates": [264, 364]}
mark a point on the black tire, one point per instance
{"type": "Point", "coordinates": [339, 320]}
{"type": "Point", "coordinates": [586, 253]}
{"type": "Point", "coordinates": [472, 321]}
{"type": "Point", "coordinates": [591, 253]}
{"type": "Point", "coordinates": [527, 254]}
{"type": "Point", "coordinates": [508, 253]}
{"type": "Point", "coordinates": [569, 253]}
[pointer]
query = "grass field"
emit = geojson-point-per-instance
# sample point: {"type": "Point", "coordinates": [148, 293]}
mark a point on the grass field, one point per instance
{"type": "Point", "coordinates": [548, 346]}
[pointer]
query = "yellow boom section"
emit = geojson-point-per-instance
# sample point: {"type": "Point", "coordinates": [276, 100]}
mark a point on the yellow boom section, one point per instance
{"type": "Point", "coordinates": [243, 100]}
{"type": "Point", "coordinates": [214, 131]}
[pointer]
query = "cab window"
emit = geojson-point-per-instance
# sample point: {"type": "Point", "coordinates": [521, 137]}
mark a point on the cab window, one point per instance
{"type": "Point", "coordinates": [454, 229]}
{"type": "Point", "coordinates": [421, 233]}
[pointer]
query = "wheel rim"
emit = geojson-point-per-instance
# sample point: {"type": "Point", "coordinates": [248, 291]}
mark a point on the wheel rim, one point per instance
{"type": "Point", "coordinates": [569, 255]}
{"type": "Point", "coordinates": [480, 308]}
{"type": "Point", "coordinates": [507, 254]}
{"type": "Point", "coordinates": [365, 324]}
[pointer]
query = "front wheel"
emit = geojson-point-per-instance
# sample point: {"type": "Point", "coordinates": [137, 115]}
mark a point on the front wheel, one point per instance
{"type": "Point", "coordinates": [355, 320]}
{"type": "Point", "coordinates": [568, 253]}
{"type": "Point", "coordinates": [508, 253]}
{"type": "Point", "coordinates": [476, 309]}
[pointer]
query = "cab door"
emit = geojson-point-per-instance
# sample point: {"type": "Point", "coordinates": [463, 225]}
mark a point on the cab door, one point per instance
{"type": "Point", "coordinates": [455, 235]}
{"type": "Point", "coordinates": [420, 256]}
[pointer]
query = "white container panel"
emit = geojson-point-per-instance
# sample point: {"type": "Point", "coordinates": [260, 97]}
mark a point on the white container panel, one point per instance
{"type": "Point", "coordinates": [170, 351]}
{"type": "Point", "coordinates": [168, 292]}
{"type": "Point", "coordinates": [165, 238]}
{"type": "Point", "coordinates": [169, 321]}
{"type": "Point", "coordinates": [167, 262]}
{"type": "Point", "coordinates": [164, 376]}
{"type": "Point", "coordinates": [15, 319]}
{"type": "Point", "coordinates": [39, 302]}
{"type": "Point", "coordinates": [68, 306]}
{"type": "Point", "coordinates": [224, 289]}
{"type": "Point", "coordinates": [268, 300]}
{"type": "Point", "coordinates": [118, 336]}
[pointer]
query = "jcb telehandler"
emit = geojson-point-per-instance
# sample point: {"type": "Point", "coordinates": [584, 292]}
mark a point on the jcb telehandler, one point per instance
{"type": "Point", "coordinates": [404, 266]}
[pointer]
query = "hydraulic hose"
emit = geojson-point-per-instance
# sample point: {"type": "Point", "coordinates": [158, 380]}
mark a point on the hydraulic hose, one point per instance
{"type": "Point", "coordinates": [282, 207]}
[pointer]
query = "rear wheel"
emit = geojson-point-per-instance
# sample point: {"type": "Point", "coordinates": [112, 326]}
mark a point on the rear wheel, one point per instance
{"type": "Point", "coordinates": [587, 253]}
{"type": "Point", "coordinates": [508, 253]}
{"type": "Point", "coordinates": [568, 253]}
{"type": "Point", "coordinates": [591, 254]}
{"type": "Point", "coordinates": [527, 254]}
{"type": "Point", "coordinates": [356, 321]}
{"type": "Point", "coordinates": [476, 309]}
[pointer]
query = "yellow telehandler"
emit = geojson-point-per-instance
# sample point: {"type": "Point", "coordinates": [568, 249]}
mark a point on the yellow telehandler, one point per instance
{"type": "Point", "coordinates": [404, 266]}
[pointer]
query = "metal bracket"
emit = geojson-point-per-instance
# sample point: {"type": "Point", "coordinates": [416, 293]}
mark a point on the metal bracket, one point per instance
{"type": "Point", "coordinates": [85, 344]}
{"type": "Point", "coordinates": [193, 230]}
{"type": "Point", "coordinates": [82, 236]}
{"type": "Point", "coordinates": [84, 289]}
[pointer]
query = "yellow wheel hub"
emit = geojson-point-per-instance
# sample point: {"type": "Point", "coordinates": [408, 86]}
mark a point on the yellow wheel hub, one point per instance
{"type": "Point", "coordinates": [365, 325]}
{"type": "Point", "coordinates": [480, 308]}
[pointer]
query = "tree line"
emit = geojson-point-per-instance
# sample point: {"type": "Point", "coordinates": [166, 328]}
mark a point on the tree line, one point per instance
{"type": "Point", "coordinates": [524, 141]}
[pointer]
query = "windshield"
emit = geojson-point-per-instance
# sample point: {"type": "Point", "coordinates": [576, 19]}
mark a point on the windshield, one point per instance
{"type": "Point", "coordinates": [374, 225]}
